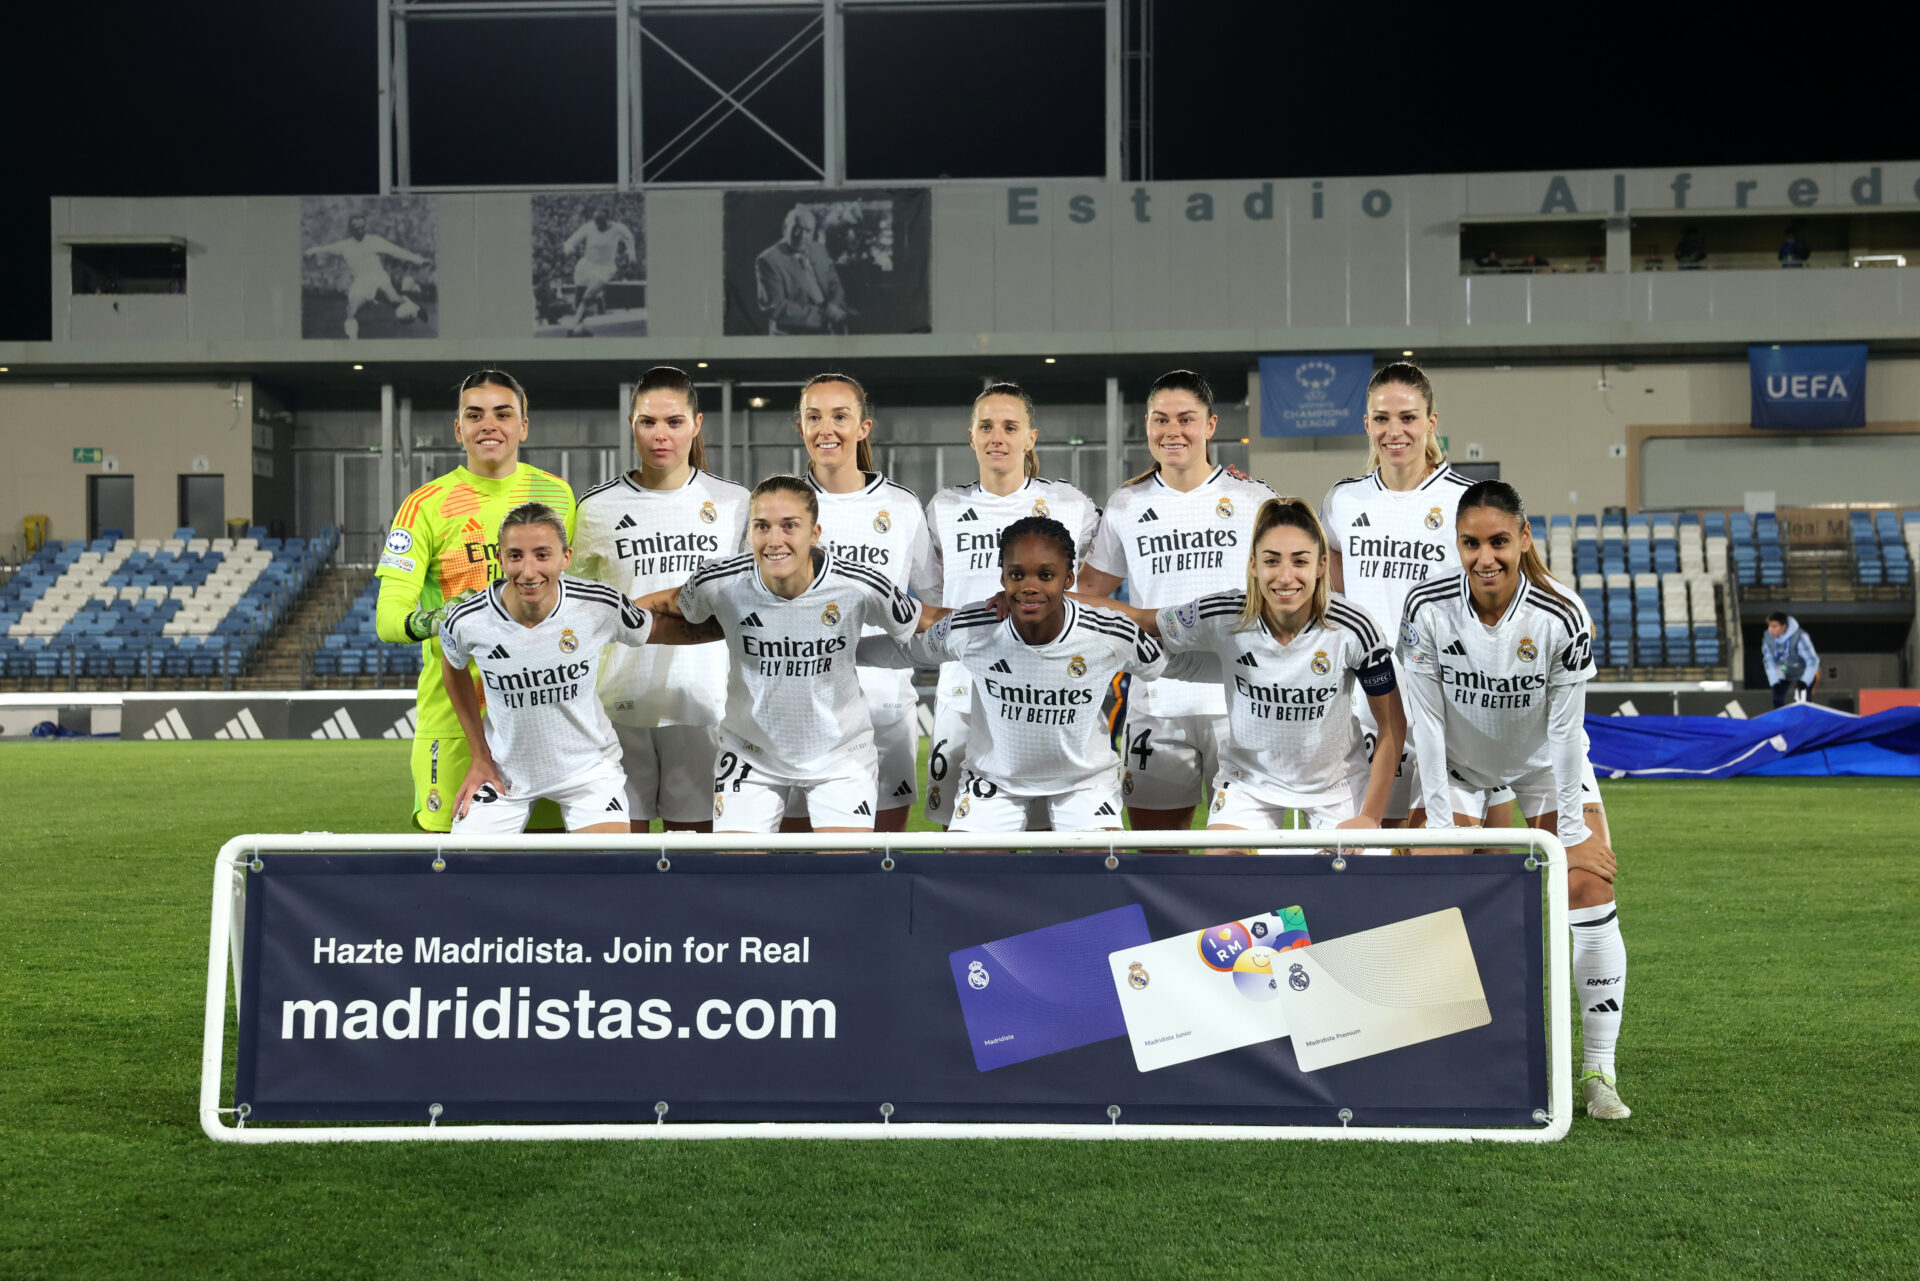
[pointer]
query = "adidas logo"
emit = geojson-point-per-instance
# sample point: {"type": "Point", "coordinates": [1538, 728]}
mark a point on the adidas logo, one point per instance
{"type": "Point", "coordinates": [614, 806]}
{"type": "Point", "coordinates": [338, 725]}
{"type": "Point", "coordinates": [169, 727]}
{"type": "Point", "coordinates": [863, 808]}
{"type": "Point", "coordinates": [1362, 521]}
{"type": "Point", "coordinates": [752, 620]}
{"type": "Point", "coordinates": [625, 522]}
{"type": "Point", "coordinates": [1456, 648]}
{"type": "Point", "coordinates": [1608, 1006]}
{"type": "Point", "coordinates": [404, 727]}
{"type": "Point", "coordinates": [499, 651]}
{"type": "Point", "coordinates": [971, 515]}
{"type": "Point", "coordinates": [241, 726]}
{"type": "Point", "coordinates": [905, 788]}
{"type": "Point", "coordinates": [1245, 660]}
{"type": "Point", "coordinates": [1106, 810]}
{"type": "Point", "coordinates": [1148, 515]}
{"type": "Point", "coordinates": [1002, 667]}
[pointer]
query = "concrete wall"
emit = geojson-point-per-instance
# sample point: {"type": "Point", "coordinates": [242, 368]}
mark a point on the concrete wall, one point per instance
{"type": "Point", "coordinates": [153, 431]}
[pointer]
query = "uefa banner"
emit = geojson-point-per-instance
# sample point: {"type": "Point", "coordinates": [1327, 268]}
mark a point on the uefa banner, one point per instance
{"type": "Point", "coordinates": [1301, 991]}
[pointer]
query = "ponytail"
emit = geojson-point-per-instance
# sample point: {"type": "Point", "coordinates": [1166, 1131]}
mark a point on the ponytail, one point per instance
{"type": "Point", "coordinates": [1504, 498]}
{"type": "Point", "coordinates": [863, 451]}
{"type": "Point", "coordinates": [1030, 463]}
{"type": "Point", "coordinates": [1404, 373]}
{"type": "Point", "coordinates": [1294, 513]}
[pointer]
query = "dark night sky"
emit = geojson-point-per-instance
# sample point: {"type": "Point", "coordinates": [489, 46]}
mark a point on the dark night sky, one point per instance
{"type": "Point", "coordinates": [239, 96]}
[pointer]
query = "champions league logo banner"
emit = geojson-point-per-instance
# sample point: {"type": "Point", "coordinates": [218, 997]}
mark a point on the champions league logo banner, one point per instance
{"type": "Point", "coordinates": [1314, 395]}
{"type": "Point", "coordinates": [955, 987]}
{"type": "Point", "coordinates": [1809, 388]}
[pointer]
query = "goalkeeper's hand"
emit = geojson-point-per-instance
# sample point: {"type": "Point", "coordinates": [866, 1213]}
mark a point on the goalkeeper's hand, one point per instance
{"type": "Point", "coordinates": [424, 624]}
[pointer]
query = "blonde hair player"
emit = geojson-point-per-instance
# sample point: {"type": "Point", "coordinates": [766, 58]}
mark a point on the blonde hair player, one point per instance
{"type": "Point", "coordinates": [640, 532]}
{"type": "Point", "coordinates": [537, 636]}
{"type": "Point", "coordinates": [1178, 529]}
{"type": "Point", "coordinates": [871, 522]}
{"type": "Point", "coordinates": [1391, 528]}
{"type": "Point", "coordinates": [1496, 659]}
{"type": "Point", "coordinates": [964, 525]}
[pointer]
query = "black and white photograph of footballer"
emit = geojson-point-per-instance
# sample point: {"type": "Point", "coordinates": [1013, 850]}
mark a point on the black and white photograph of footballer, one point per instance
{"type": "Point", "coordinates": [590, 265]}
{"type": "Point", "coordinates": [827, 262]}
{"type": "Point", "coordinates": [366, 267]}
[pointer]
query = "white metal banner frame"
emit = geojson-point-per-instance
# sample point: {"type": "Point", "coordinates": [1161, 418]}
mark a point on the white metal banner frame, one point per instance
{"type": "Point", "coordinates": [229, 894]}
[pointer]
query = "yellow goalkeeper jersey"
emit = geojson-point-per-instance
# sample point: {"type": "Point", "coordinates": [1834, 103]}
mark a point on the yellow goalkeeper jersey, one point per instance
{"type": "Point", "coordinates": [444, 543]}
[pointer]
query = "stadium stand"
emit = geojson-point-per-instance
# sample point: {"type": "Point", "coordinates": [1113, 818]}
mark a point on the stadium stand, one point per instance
{"type": "Point", "coordinates": [352, 650]}
{"type": "Point", "coordinates": [1656, 585]}
{"type": "Point", "coordinates": [181, 608]}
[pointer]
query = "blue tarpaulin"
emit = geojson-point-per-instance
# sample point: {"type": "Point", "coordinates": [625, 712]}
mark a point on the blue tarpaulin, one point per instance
{"type": "Point", "coordinates": [1799, 741]}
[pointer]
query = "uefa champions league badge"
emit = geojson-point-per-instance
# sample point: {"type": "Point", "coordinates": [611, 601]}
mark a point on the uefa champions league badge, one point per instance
{"type": "Point", "coordinates": [1188, 614]}
{"type": "Point", "coordinates": [568, 641]}
{"type": "Point", "coordinates": [707, 512]}
{"type": "Point", "coordinates": [831, 614]}
{"type": "Point", "coordinates": [977, 976]}
{"type": "Point", "coordinates": [1527, 652]}
{"type": "Point", "coordinates": [399, 542]}
{"type": "Point", "coordinates": [1076, 667]}
{"type": "Point", "coordinates": [1320, 664]}
{"type": "Point", "coordinates": [1137, 977]}
{"type": "Point", "coordinates": [1435, 519]}
{"type": "Point", "coordinates": [882, 523]}
{"type": "Point", "coordinates": [1224, 509]}
{"type": "Point", "coordinates": [1409, 635]}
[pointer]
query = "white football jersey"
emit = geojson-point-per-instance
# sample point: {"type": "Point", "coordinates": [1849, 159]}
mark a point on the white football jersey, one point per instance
{"type": "Point", "coordinates": [601, 248]}
{"type": "Point", "coordinates": [882, 528]}
{"type": "Point", "coordinates": [793, 698]}
{"type": "Point", "coordinates": [963, 529]}
{"type": "Point", "coordinates": [1390, 542]}
{"type": "Point", "coordinates": [363, 256]}
{"type": "Point", "coordinates": [1039, 705]}
{"type": "Point", "coordinates": [1295, 738]}
{"type": "Point", "coordinates": [1172, 547]}
{"type": "Point", "coordinates": [1481, 697]}
{"type": "Point", "coordinates": [640, 540]}
{"type": "Point", "coordinates": [544, 724]}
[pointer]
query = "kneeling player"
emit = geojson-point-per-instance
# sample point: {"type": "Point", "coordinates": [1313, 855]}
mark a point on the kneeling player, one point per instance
{"type": "Point", "coordinates": [1038, 678]}
{"type": "Point", "coordinates": [796, 724]}
{"type": "Point", "coordinates": [1496, 660]}
{"type": "Point", "coordinates": [536, 636]}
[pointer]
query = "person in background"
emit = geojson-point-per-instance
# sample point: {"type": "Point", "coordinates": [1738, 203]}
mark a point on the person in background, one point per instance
{"type": "Point", "coordinates": [1691, 253]}
{"type": "Point", "coordinates": [1793, 665]}
{"type": "Point", "coordinates": [1793, 246]}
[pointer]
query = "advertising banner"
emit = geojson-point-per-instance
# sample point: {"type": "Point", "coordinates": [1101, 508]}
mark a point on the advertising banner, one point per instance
{"type": "Point", "coordinates": [1314, 395]}
{"type": "Point", "coordinates": [1809, 388]}
{"type": "Point", "coordinates": [952, 987]}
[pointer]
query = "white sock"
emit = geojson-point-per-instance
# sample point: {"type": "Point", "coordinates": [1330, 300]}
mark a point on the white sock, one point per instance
{"type": "Point", "coordinates": [1600, 979]}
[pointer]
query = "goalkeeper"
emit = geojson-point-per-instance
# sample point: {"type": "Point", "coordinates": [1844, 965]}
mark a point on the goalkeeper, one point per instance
{"type": "Point", "coordinates": [441, 548]}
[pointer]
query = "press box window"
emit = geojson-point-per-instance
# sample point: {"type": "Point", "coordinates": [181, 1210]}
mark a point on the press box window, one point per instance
{"type": "Point", "coordinates": [128, 265]}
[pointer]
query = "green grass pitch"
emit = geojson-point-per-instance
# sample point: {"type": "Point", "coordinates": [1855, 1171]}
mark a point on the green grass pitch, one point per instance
{"type": "Point", "coordinates": [1769, 1052]}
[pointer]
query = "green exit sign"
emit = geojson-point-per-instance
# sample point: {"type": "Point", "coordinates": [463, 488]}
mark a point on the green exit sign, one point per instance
{"type": "Point", "coordinates": [93, 455]}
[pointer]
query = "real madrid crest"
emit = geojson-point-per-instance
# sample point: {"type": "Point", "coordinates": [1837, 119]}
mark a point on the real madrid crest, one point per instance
{"type": "Point", "coordinates": [707, 512]}
{"type": "Point", "coordinates": [1219, 800]}
{"type": "Point", "coordinates": [1527, 652]}
{"type": "Point", "coordinates": [568, 641]}
{"type": "Point", "coordinates": [719, 806]}
{"type": "Point", "coordinates": [883, 522]}
{"type": "Point", "coordinates": [433, 800]}
{"type": "Point", "coordinates": [977, 976]}
{"type": "Point", "coordinates": [960, 810]}
{"type": "Point", "coordinates": [1297, 977]}
{"type": "Point", "coordinates": [1137, 976]}
{"type": "Point", "coordinates": [1435, 519]}
{"type": "Point", "coordinates": [830, 615]}
{"type": "Point", "coordinates": [1076, 667]}
{"type": "Point", "coordinates": [1321, 665]}
{"type": "Point", "coordinates": [1040, 507]}
{"type": "Point", "coordinates": [933, 797]}
{"type": "Point", "coordinates": [1126, 783]}
{"type": "Point", "coordinates": [1224, 509]}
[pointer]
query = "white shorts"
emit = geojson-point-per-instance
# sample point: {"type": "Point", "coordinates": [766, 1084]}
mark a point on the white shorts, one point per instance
{"type": "Point", "coordinates": [896, 745]}
{"type": "Point", "coordinates": [669, 771]}
{"type": "Point", "coordinates": [947, 757]}
{"type": "Point", "coordinates": [588, 274]}
{"type": "Point", "coordinates": [985, 807]}
{"type": "Point", "coordinates": [599, 797]}
{"type": "Point", "coordinates": [362, 290]}
{"type": "Point", "coordinates": [1167, 763]}
{"type": "Point", "coordinates": [746, 798]}
{"type": "Point", "coordinates": [1536, 794]}
{"type": "Point", "coordinates": [1237, 805]}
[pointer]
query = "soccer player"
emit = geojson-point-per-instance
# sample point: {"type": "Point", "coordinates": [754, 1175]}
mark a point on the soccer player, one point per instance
{"type": "Point", "coordinates": [538, 635]}
{"type": "Point", "coordinates": [600, 244]}
{"type": "Point", "coordinates": [1292, 652]}
{"type": "Point", "coordinates": [964, 524]}
{"type": "Point", "coordinates": [647, 530]}
{"type": "Point", "coordinates": [871, 522]}
{"type": "Point", "coordinates": [362, 253]}
{"type": "Point", "coordinates": [1039, 741]}
{"type": "Point", "coordinates": [1391, 528]}
{"type": "Point", "coordinates": [796, 727]}
{"type": "Point", "coordinates": [1495, 659]}
{"type": "Point", "coordinates": [1177, 530]}
{"type": "Point", "coordinates": [443, 545]}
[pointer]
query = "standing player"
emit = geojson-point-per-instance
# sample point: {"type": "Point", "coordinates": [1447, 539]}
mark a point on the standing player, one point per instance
{"type": "Point", "coordinates": [964, 525]}
{"type": "Point", "coordinates": [1178, 530]}
{"type": "Point", "coordinates": [647, 530]}
{"type": "Point", "coordinates": [796, 730]}
{"type": "Point", "coordinates": [871, 522]}
{"type": "Point", "coordinates": [1496, 658]}
{"type": "Point", "coordinates": [599, 244]}
{"type": "Point", "coordinates": [1391, 528]}
{"type": "Point", "coordinates": [362, 253]}
{"type": "Point", "coordinates": [1292, 654]}
{"type": "Point", "coordinates": [443, 545]}
{"type": "Point", "coordinates": [538, 636]}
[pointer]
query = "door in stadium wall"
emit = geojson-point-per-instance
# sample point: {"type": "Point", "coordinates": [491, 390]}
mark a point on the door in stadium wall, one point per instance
{"type": "Point", "coordinates": [203, 504]}
{"type": "Point", "coordinates": [109, 505]}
